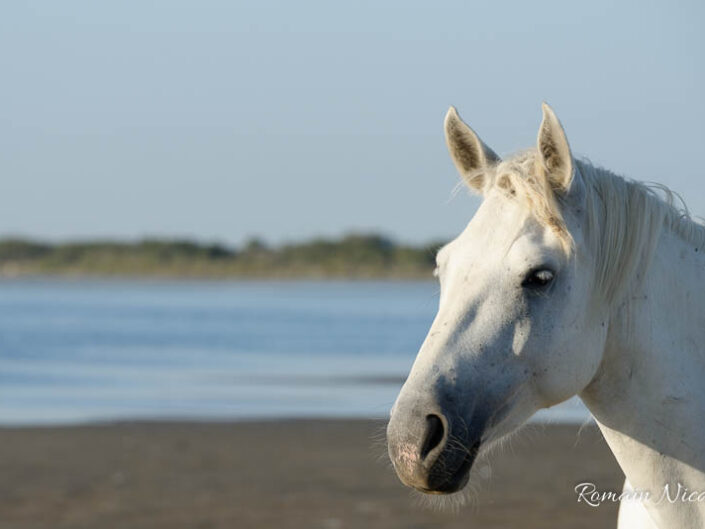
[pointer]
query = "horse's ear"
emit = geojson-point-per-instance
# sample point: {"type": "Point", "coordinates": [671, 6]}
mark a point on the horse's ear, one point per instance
{"type": "Point", "coordinates": [554, 152]}
{"type": "Point", "coordinates": [469, 154]}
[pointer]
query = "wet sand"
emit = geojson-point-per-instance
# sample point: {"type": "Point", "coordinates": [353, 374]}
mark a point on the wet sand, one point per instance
{"type": "Point", "coordinates": [330, 474]}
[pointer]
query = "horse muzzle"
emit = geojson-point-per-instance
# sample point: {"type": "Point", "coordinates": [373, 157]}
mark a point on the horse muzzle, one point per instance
{"type": "Point", "coordinates": [431, 451]}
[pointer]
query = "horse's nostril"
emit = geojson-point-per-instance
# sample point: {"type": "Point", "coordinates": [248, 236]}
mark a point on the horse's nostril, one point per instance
{"type": "Point", "coordinates": [434, 434]}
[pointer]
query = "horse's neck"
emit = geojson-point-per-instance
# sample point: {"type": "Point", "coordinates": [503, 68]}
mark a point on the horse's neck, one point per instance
{"type": "Point", "coordinates": [649, 393]}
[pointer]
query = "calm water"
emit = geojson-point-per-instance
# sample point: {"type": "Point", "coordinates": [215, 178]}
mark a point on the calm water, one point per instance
{"type": "Point", "coordinates": [77, 351]}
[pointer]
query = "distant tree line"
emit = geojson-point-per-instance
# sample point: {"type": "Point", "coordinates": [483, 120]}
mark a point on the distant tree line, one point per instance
{"type": "Point", "coordinates": [352, 256]}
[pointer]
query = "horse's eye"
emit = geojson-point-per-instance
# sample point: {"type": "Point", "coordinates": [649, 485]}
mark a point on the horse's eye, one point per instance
{"type": "Point", "coordinates": [538, 278]}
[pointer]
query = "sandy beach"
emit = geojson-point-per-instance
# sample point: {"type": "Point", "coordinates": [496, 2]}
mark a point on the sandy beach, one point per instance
{"type": "Point", "coordinates": [328, 474]}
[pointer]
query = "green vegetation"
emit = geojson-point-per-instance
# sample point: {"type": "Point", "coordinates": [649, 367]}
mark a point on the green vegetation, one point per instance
{"type": "Point", "coordinates": [353, 256]}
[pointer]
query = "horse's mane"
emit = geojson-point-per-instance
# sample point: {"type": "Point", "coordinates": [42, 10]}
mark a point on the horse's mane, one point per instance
{"type": "Point", "coordinates": [624, 217]}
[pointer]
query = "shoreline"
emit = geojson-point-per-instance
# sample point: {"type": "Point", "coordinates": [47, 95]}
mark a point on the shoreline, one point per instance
{"type": "Point", "coordinates": [567, 419]}
{"type": "Point", "coordinates": [297, 474]}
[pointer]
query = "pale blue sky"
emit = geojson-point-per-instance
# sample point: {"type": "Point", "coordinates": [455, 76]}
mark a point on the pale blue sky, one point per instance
{"type": "Point", "coordinates": [286, 120]}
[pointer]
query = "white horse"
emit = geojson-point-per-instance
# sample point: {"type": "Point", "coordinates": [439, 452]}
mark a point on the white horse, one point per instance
{"type": "Point", "coordinates": [568, 280]}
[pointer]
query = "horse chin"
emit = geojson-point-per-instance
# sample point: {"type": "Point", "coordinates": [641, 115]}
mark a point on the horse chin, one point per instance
{"type": "Point", "coordinates": [453, 485]}
{"type": "Point", "coordinates": [445, 482]}
{"type": "Point", "coordinates": [456, 484]}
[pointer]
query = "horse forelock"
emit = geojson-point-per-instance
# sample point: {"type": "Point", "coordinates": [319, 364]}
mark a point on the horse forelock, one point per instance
{"type": "Point", "coordinates": [623, 218]}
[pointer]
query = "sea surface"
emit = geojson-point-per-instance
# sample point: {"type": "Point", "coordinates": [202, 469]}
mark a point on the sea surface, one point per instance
{"type": "Point", "coordinates": [76, 351]}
